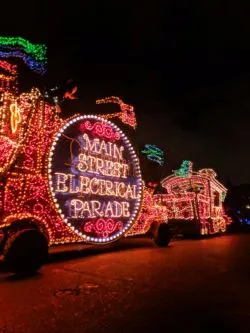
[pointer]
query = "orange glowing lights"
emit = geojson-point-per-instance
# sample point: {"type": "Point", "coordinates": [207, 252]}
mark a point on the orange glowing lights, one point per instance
{"type": "Point", "coordinates": [15, 118]}
{"type": "Point", "coordinates": [127, 114]}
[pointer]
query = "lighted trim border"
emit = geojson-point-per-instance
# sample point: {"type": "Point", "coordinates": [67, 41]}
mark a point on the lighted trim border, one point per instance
{"type": "Point", "coordinates": [135, 160]}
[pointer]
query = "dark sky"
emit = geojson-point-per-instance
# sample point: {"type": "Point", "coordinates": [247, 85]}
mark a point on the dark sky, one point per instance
{"type": "Point", "coordinates": [184, 65]}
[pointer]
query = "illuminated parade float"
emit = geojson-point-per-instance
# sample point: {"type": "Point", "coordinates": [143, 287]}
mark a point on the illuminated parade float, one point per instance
{"type": "Point", "coordinates": [79, 179]}
{"type": "Point", "coordinates": [194, 201]}
{"type": "Point", "coordinates": [65, 181]}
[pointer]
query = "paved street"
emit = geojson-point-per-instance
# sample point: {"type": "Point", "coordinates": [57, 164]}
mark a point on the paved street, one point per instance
{"type": "Point", "coordinates": [132, 286]}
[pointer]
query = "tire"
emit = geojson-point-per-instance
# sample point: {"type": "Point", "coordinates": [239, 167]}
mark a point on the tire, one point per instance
{"type": "Point", "coordinates": [25, 251]}
{"type": "Point", "coordinates": [162, 235]}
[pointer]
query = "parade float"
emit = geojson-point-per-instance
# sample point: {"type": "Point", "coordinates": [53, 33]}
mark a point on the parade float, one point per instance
{"type": "Point", "coordinates": [194, 201]}
{"type": "Point", "coordinates": [65, 181]}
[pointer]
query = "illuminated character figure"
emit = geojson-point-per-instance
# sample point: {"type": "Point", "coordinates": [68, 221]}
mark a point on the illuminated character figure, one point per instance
{"type": "Point", "coordinates": [194, 201]}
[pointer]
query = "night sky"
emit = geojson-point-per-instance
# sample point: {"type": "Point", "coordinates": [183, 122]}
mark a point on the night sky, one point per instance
{"type": "Point", "coordinates": [184, 65]}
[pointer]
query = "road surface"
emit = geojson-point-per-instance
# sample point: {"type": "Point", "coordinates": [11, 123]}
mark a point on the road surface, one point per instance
{"type": "Point", "coordinates": [132, 286]}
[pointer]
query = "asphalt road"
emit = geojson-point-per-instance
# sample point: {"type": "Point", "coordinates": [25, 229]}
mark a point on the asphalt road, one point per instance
{"type": "Point", "coordinates": [192, 286]}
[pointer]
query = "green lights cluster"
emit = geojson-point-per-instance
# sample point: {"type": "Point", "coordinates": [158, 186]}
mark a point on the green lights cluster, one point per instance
{"type": "Point", "coordinates": [154, 153]}
{"type": "Point", "coordinates": [185, 170]}
{"type": "Point", "coordinates": [223, 196]}
{"type": "Point", "coordinates": [37, 51]}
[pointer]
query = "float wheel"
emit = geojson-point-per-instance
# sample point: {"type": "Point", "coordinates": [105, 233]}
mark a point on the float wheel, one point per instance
{"type": "Point", "coordinates": [25, 251]}
{"type": "Point", "coordinates": [162, 235]}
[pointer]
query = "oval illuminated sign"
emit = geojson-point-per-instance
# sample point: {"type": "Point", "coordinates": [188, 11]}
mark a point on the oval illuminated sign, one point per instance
{"type": "Point", "coordinates": [95, 179]}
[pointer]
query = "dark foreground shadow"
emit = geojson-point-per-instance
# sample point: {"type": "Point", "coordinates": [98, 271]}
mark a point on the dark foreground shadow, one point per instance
{"type": "Point", "coordinates": [62, 253]}
{"type": "Point", "coordinates": [69, 252]}
{"type": "Point", "coordinates": [13, 278]}
{"type": "Point", "coordinates": [232, 230]}
{"type": "Point", "coordinates": [238, 229]}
